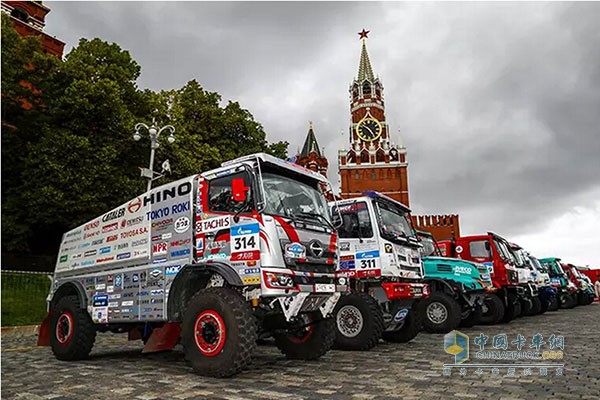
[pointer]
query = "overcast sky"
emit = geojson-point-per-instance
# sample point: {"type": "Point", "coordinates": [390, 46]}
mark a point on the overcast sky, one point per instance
{"type": "Point", "coordinates": [498, 104]}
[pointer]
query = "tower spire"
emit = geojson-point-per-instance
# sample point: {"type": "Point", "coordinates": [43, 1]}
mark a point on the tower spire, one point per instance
{"type": "Point", "coordinates": [365, 71]}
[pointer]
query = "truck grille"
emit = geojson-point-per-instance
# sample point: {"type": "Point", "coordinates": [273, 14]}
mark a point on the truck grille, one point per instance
{"type": "Point", "coordinates": [311, 263]}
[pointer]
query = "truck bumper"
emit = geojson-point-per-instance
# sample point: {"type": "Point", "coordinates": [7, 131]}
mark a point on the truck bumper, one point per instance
{"type": "Point", "coordinates": [297, 292]}
{"type": "Point", "coordinates": [405, 291]}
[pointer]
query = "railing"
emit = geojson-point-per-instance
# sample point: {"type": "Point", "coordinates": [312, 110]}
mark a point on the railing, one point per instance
{"type": "Point", "coordinates": [24, 297]}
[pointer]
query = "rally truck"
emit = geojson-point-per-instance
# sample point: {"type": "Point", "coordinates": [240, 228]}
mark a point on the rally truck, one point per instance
{"type": "Point", "coordinates": [548, 291]}
{"type": "Point", "coordinates": [458, 289]}
{"type": "Point", "coordinates": [494, 252]}
{"type": "Point", "coordinates": [585, 292]}
{"type": "Point", "coordinates": [531, 303]}
{"type": "Point", "coordinates": [567, 291]}
{"type": "Point", "coordinates": [379, 252]}
{"type": "Point", "coordinates": [215, 261]}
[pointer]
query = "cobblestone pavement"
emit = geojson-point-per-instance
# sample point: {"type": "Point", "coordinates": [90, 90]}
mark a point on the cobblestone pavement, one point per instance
{"type": "Point", "coordinates": [117, 369]}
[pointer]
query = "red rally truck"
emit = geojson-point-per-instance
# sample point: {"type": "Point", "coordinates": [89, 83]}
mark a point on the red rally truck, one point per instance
{"type": "Point", "coordinates": [493, 251]}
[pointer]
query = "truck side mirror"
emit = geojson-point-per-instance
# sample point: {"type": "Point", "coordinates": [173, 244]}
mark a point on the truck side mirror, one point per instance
{"type": "Point", "coordinates": [239, 189]}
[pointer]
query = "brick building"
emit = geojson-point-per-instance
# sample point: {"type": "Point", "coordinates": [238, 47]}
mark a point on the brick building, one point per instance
{"type": "Point", "coordinates": [29, 19]}
{"type": "Point", "coordinates": [311, 156]}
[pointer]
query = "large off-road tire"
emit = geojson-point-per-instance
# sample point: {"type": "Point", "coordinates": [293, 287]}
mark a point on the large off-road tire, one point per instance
{"type": "Point", "coordinates": [554, 303]}
{"type": "Point", "coordinates": [218, 332]}
{"type": "Point", "coordinates": [493, 310]}
{"type": "Point", "coordinates": [536, 307]}
{"type": "Point", "coordinates": [568, 301]}
{"type": "Point", "coordinates": [358, 322]}
{"type": "Point", "coordinates": [544, 303]}
{"type": "Point", "coordinates": [440, 313]}
{"type": "Point", "coordinates": [308, 342]}
{"type": "Point", "coordinates": [526, 306]}
{"type": "Point", "coordinates": [473, 318]}
{"type": "Point", "coordinates": [72, 332]}
{"type": "Point", "coordinates": [410, 329]}
{"type": "Point", "coordinates": [512, 311]}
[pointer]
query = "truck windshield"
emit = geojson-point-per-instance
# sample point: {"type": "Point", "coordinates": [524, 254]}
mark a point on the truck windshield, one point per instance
{"type": "Point", "coordinates": [291, 198]}
{"type": "Point", "coordinates": [503, 251]}
{"type": "Point", "coordinates": [537, 265]}
{"type": "Point", "coordinates": [394, 222]}
{"type": "Point", "coordinates": [429, 248]}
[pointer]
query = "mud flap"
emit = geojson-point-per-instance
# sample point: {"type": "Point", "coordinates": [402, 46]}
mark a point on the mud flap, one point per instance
{"type": "Point", "coordinates": [163, 338]}
{"type": "Point", "coordinates": [44, 333]}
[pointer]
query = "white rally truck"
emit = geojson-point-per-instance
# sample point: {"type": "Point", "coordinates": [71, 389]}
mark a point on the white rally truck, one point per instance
{"type": "Point", "coordinates": [214, 261]}
{"type": "Point", "coordinates": [379, 251]}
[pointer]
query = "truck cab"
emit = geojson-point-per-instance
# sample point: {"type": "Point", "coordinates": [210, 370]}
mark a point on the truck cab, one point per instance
{"type": "Point", "coordinates": [379, 252]}
{"type": "Point", "coordinates": [493, 251]}
{"type": "Point", "coordinates": [458, 289]}
{"type": "Point", "coordinates": [567, 291]}
{"type": "Point", "coordinates": [548, 292]}
{"type": "Point", "coordinates": [585, 292]}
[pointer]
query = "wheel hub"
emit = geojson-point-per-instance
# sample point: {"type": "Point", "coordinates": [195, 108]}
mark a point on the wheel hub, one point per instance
{"type": "Point", "coordinates": [64, 328]}
{"type": "Point", "coordinates": [349, 321]}
{"type": "Point", "coordinates": [209, 333]}
{"type": "Point", "coordinates": [437, 313]}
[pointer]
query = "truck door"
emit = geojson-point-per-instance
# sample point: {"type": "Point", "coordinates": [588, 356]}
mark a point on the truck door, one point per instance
{"type": "Point", "coordinates": [225, 229]}
{"type": "Point", "coordinates": [358, 251]}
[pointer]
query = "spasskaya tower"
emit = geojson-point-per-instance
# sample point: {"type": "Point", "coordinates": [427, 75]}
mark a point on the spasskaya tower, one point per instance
{"type": "Point", "coordinates": [373, 161]}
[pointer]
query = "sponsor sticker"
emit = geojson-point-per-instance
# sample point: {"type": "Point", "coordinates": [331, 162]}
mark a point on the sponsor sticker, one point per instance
{"type": "Point", "coordinates": [182, 224]}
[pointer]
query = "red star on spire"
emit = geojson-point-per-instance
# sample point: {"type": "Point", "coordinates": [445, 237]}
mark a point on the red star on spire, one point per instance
{"type": "Point", "coordinates": [363, 34]}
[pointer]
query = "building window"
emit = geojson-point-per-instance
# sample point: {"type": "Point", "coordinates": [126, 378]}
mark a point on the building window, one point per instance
{"type": "Point", "coordinates": [20, 14]}
{"type": "Point", "coordinates": [356, 175]}
{"type": "Point", "coordinates": [373, 175]}
{"type": "Point", "coordinates": [366, 89]}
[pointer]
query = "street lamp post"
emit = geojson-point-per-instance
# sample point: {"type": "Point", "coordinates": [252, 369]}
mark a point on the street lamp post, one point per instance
{"type": "Point", "coordinates": [153, 133]}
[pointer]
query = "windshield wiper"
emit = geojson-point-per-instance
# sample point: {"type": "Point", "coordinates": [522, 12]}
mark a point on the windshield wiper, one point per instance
{"type": "Point", "coordinates": [285, 210]}
{"type": "Point", "coordinates": [318, 216]}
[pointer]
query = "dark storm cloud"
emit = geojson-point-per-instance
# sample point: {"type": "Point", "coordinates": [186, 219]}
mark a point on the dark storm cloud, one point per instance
{"type": "Point", "coordinates": [498, 103]}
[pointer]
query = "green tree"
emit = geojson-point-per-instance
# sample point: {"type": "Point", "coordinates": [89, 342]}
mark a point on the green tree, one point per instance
{"type": "Point", "coordinates": [208, 134]}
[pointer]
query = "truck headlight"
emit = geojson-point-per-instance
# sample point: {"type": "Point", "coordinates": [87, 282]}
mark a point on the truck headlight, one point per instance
{"type": "Point", "coordinates": [279, 280]}
{"type": "Point", "coordinates": [342, 281]}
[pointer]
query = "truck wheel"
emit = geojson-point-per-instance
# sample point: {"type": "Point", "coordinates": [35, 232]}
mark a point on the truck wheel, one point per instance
{"type": "Point", "coordinates": [473, 318]}
{"type": "Point", "coordinates": [73, 332]}
{"type": "Point", "coordinates": [359, 322]}
{"type": "Point", "coordinates": [492, 311]}
{"type": "Point", "coordinates": [440, 313]}
{"type": "Point", "coordinates": [553, 303]}
{"type": "Point", "coordinates": [568, 301]}
{"type": "Point", "coordinates": [544, 303]}
{"type": "Point", "coordinates": [527, 307]}
{"type": "Point", "coordinates": [512, 311]}
{"type": "Point", "coordinates": [309, 341]}
{"type": "Point", "coordinates": [536, 307]}
{"type": "Point", "coordinates": [410, 329]}
{"type": "Point", "coordinates": [218, 332]}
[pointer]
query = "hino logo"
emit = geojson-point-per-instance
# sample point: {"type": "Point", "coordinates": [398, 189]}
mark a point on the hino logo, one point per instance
{"type": "Point", "coordinates": [316, 248]}
{"type": "Point", "coordinates": [169, 193]}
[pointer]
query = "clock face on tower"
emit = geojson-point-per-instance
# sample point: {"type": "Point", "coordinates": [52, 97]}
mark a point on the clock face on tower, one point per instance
{"type": "Point", "coordinates": [368, 129]}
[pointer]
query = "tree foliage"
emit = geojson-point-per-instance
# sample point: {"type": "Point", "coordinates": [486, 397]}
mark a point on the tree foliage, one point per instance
{"type": "Point", "coordinates": [72, 156]}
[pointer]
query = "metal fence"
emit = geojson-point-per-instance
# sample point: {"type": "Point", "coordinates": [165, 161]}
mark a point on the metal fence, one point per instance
{"type": "Point", "coordinates": [24, 297]}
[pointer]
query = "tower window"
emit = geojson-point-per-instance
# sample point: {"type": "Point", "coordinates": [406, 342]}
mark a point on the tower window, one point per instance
{"type": "Point", "coordinates": [373, 175]}
{"type": "Point", "coordinates": [20, 14]}
{"type": "Point", "coordinates": [366, 89]}
{"type": "Point", "coordinates": [356, 175]}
